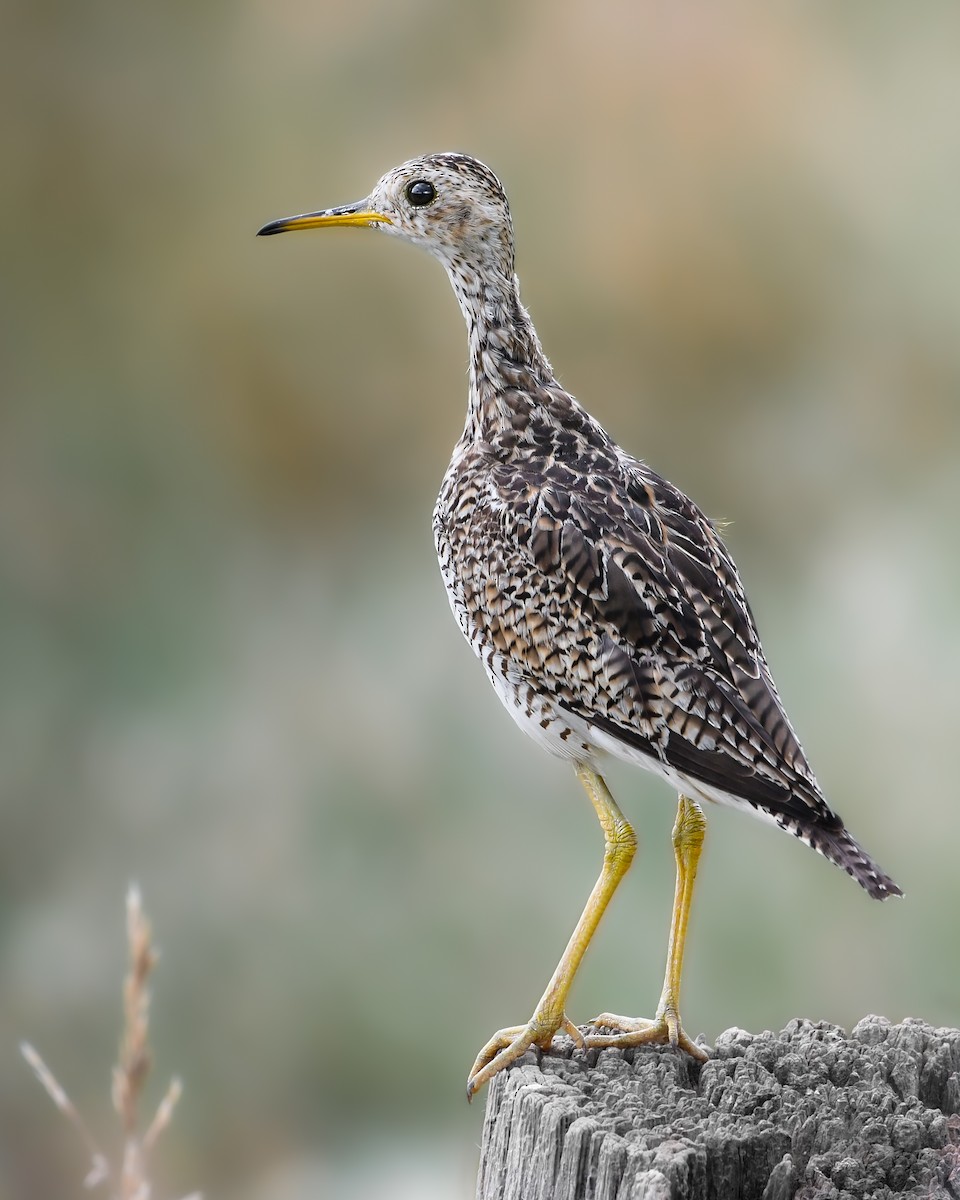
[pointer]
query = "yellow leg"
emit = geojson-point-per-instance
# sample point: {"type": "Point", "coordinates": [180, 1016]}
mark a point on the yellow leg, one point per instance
{"type": "Point", "coordinates": [507, 1045]}
{"type": "Point", "coordinates": [688, 835]}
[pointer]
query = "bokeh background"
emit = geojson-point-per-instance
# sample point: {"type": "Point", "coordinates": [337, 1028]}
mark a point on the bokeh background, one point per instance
{"type": "Point", "coordinates": [229, 671]}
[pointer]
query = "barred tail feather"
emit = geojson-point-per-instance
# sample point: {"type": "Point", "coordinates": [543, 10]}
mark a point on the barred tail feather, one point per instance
{"type": "Point", "coordinates": [839, 847]}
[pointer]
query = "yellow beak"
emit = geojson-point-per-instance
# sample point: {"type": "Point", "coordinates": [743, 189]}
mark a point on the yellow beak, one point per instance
{"type": "Point", "coordinates": [350, 214]}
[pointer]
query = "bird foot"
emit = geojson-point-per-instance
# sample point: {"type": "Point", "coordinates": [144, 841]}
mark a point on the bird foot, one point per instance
{"type": "Point", "coordinates": [507, 1045]}
{"type": "Point", "coordinates": [664, 1029]}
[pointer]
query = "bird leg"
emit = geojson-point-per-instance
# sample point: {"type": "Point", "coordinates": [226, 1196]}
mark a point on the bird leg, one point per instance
{"type": "Point", "coordinates": [688, 832]}
{"type": "Point", "coordinates": [507, 1045]}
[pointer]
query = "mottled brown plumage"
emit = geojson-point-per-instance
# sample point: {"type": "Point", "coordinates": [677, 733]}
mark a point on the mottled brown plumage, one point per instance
{"type": "Point", "coordinates": [608, 614]}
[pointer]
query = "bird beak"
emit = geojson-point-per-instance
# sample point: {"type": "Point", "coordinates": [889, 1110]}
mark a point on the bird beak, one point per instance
{"type": "Point", "coordinates": [347, 214]}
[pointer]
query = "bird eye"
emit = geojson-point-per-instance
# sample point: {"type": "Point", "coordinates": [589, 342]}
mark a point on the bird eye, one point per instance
{"type": "Point", "coordinates": [420, 192]}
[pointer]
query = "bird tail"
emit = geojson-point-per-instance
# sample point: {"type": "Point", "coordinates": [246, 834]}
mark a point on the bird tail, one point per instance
{"type": "Point", "coordinates": [839, 847]}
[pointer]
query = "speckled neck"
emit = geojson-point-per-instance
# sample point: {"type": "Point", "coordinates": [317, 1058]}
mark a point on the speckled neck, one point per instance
{"type": "Point", "coordinates": [508, 371]}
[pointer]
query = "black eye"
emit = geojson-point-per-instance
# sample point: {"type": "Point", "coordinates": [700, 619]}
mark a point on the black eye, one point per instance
{"type": "Point", "coordinates": [421, 192]}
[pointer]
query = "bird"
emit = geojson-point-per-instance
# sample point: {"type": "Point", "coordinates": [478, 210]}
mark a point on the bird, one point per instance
{"type": "Point", "coordinates": [606, 610]}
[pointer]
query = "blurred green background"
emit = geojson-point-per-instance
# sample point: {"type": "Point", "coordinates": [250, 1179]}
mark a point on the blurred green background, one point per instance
{"type": "Point", "coordinates": [229, 670]}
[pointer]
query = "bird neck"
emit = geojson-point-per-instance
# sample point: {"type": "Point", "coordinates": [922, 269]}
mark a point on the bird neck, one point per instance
{"type": "Point", "coordinates": [509, 373]}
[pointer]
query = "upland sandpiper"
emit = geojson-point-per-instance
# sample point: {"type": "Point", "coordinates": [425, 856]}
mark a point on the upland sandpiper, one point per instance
{"type": "Point", "coordinates": [604, 606]}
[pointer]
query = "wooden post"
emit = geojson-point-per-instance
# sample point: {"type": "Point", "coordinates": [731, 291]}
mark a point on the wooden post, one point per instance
{"type": "Point", "coordinates": [809, 1113]}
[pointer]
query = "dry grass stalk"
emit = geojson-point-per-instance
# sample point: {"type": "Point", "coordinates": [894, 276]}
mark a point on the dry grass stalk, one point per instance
{"type": "Point", "coordinates": [130, 1182]}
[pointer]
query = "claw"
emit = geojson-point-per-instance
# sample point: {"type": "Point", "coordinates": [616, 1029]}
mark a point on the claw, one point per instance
{"type": "Point", "coordinates": [573, 1033]}
{"type": "Point", "coordinates": [638, 1031]}
{"type": "Point", "coordinates": [507, 1045]}
{"type": "Point", "coordinates": [504, 1048]}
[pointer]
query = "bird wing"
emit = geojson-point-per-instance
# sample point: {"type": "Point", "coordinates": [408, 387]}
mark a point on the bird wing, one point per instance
{"type": "Point", "coordinates": [685, 678]}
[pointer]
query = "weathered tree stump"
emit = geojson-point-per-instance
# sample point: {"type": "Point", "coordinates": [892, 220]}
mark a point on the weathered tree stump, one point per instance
{"type": "Point", "coordinates": [808, 1113]}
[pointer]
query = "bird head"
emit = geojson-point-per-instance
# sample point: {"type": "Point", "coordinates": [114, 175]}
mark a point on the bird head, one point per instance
{"type": "Point", "coordinates": [451, 204]}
